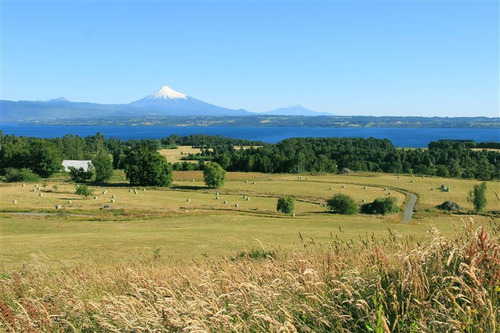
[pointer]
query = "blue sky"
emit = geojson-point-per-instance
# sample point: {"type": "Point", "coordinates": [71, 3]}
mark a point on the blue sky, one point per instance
{"type": "Point", "coordinates": [360, 58]}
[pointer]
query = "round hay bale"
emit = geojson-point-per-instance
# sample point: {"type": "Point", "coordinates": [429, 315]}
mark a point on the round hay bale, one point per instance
{"type": "Point", "coordinates": [432, 188]}
{"type": "Point", "coordinates": [293, 214]}
{"type": "Point", "coordinates": [331, 188]}
{"type": "Point", "coordinates": [343, 186]}
{"type": "Point", "coordinates": [254, 183]}
{"type": "Point", "coordinates": [96, 197]}
{"type": "Point", "coordinates": [70, 202]}
{"type": "Point", "coordinates": [24, 185]}
{"type": "Point", "coordinates": [40, 194]}
{"type": "Point", "coordinates": [188, 200]}
{"type": "Point", "coordinates": [246, 181]}
{"type": "Point", "coordinates": [14, 202]}
{"type": "Point", "coordinates": [248, 199]}
{"type": "Point", "coordinates": [192, 180]}
{"type": "Point", "coordinates": [225, 201]}
{"type": "Point", "coordinates": [363, 200]}
{"type": "Point", "coordinates": [217, 193]}
{"type": "Point", "coordinates": [112, 200]}
{"type": "Point", "coordinates": [144, 189]}
{"type": "Point", "coordinates": [104, 192]}
{"type": "Point", "coordinates": [58, 206]}
{"type": "Point", "coordinates": [113, 196]}
{"type": "Point", "coordinates": [216, 198]}
{"type": "Point", "coordinates": [411, 181]}
{"type": "Point", "coordinates": [364, 187]}
{"type": "Point", "coordinates": [307, 178]}
{"type": "Point", "coordinates": [236, 205]}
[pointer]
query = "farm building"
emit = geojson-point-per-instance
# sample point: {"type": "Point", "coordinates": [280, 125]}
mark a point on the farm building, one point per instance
{"type": "Point", "coordinates": [77, 164]}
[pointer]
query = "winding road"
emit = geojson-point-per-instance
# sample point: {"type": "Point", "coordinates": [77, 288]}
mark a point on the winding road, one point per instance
{"type": "Point", "coordinates": [409, 208]}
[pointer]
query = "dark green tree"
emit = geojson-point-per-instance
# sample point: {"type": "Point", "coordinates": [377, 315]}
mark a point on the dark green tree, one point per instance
{"type": "Point", "coordinates": [286, 205]}
{"type": "Point", "coordinates": [477, 197]}
{"type": "Point", "coordinates": [214, 175]}
{"type": "Point", "coordinates": [103, 166]}
{"type": "Point", "coordinates": [81, 175]}
{"type": "Point", "coordinates": [145, 166]}
{"type": "Point", "coordinates": [342, 204]}
{"type": "Point", "coordinates": [44, 159]}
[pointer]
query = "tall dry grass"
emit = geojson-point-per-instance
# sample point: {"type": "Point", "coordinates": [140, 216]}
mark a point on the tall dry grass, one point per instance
{"type": "Point", "coordinates": [381, 285]}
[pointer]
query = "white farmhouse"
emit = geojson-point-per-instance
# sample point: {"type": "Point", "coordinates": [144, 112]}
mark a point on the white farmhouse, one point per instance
{"type": "Point", "coordinates": [77, 164]}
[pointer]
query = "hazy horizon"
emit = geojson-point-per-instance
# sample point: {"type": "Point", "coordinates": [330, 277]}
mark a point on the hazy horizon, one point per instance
{"type": "Point", "coordinates": [362, 58]}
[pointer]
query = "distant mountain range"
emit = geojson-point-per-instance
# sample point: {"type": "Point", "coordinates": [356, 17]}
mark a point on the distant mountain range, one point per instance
{"type": "Point", "coordinates": [295, 110]}
{"type": "Point", "coordinates": [164, 102]}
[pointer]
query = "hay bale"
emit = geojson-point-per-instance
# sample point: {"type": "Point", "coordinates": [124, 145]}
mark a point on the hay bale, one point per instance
{"type": "Point", "coordinates": [14, 202]}
{"type": "Point", "coordinates": [432, 188]}
{"type": "Point", "coordinates": [113, 196]}
{"type": "Point", "coordinates": [385, 188]}
{"type": "Point", "coordinates": [104, 192]}
{"type": "Point", "coordinates": [248, 199]}
{"type": "Point", "coordinates": [58, 206]}
{"type": "Point", "coordinates": [307, 178]}
{"type": "Point", "coordinates": [399, 177]}
{"type": "Point", "coordinates": [192, 180]}
{"type": "Point", "coordinates": [144, 189]}
{"type": "Point", "coordinates": [343, 186]}
{"type": "Point", "coordinates": [254, 183]}
{"type": "Point", "coordinates": [236, 205]}
{"type": "Point", "coordinates": [225, 201]}
{"type": "Point", "coordinates": [40, 194]}
{"type": "Point", "coordinates": [216, 198]}
{"type": "Point", "coordinates": [24, 185]}
{"type": "Point", "coordinates": [363, 200]}
{"type": "Point", "coordinates": [389, 193]}
{"type": "Point", "coordinates": [246, 181]}
{"type": "Point", "coordinates": [188, 200]}
{"type": "Point", "coordinates": [112, 200]}
{"type": "Point", "coordinates": [130, 190]}
{"type": "Point", "coordinates": [217, 193]}
{"type": "Point", "coordinates": [293, 214]}
{"type": "Point", "coordinates": [331, 188]}
{"type": "Point", "coordinates": [96, 197]}
{"type": "Point", "coordinates": [70, 202]}
{"type": "Point", "coordinates": [364, 187]}
{"type": "Point", "coordinates": [411, 181]}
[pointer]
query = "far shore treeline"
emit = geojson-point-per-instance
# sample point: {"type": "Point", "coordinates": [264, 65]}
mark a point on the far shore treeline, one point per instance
{"type": "Point", "coordinates": [445, 158]}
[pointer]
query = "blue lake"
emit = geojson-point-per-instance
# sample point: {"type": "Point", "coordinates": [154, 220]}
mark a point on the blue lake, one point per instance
{"type": "Point", "coordinates": [401, 137]}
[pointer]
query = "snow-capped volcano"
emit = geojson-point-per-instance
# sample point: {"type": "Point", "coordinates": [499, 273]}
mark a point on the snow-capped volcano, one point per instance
{"type": "Point", "coordinates": [168, 102]}
{"type": "Point", "coordinates": [167, 93]}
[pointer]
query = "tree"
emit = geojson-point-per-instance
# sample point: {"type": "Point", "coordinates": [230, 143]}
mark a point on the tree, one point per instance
{"type": "Point", "coordinates": [21, 175]}
{"type": "Point", "coordinates": [286, 205]}
{"type": "Point", "coordinates": [84, 190]}
{"type": "Point", "coordinates": [145, 166]}
{"type": "Point", "coordinates": [44, 158]}
{"type": "Point", "coordinates": [103, 166]}
{"type": "Point", "coordinates": [477, 197]}
{"type": "Point", "coordinates": [81, 175]}
{"type": "Point", "coordinates": [381, 206]}
{"type": "Point", "coordinates": [214, 175]}
{"type": "Point", "coordinates": [342, 204]}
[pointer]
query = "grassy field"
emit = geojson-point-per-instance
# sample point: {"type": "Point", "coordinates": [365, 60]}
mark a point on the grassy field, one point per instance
{"type": "Point", "coordinates": [138, 223]}
{"type": "Point", "coordinates": [154, 261]}
{"type": "Point", "coordinates": [176, 154]}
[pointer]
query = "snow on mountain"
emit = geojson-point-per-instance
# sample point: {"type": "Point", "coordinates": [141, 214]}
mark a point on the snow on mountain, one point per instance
{"type": "Point", "coordinates": [167, 93]}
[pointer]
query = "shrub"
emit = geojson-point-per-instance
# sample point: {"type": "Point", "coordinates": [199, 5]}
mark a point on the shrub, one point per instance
{"type": "Point", "coordinates": [342, 204]}
{"type": "Point", "coordinates": [214, 175]}
{"type": "Point", "coordinates": [449, 206]}
{"type": "Point", "coordinates": [286, 205]}
{"type": "Point", "coordinates": [381, 206]}
{"type": "Point", "coordinates": [84, 190]}
{"type": "Point", "coordinates": [20, 175]}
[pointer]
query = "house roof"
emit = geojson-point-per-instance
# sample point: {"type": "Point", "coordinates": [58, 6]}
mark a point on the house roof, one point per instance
{"type": "Point", "coordinates": [77, 164]}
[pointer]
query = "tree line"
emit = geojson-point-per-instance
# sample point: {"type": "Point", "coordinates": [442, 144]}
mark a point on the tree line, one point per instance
{"type": "Point", "coordinates": [446, 158]}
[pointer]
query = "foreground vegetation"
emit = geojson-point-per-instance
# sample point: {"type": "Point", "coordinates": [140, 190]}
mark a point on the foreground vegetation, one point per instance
{"type": "Point", "coordinates": [378, 284]}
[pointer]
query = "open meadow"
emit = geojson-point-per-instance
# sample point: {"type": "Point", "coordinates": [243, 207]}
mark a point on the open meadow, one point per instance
{"type": "Point", "coordinates": [49, 223]}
